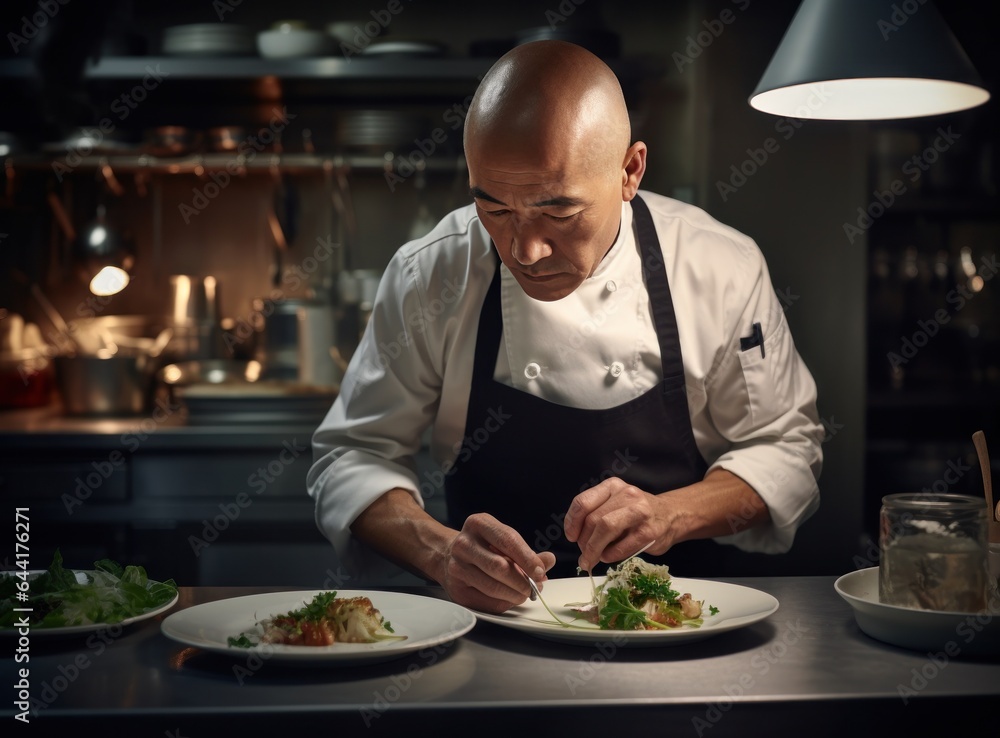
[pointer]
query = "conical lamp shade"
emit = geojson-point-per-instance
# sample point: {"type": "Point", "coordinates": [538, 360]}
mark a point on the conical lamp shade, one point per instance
{"type": "Point", "coordinates": [868, 60]}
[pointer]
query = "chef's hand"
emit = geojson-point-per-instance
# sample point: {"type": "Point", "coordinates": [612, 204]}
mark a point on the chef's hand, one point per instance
{"type": "Point", "coordinates": [480, 571]}
{"type": "Point", "coordinates": [613, 520]}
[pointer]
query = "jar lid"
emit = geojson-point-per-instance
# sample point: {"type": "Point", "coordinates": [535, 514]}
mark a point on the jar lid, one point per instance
{"type": "Point", "coordinates": [938, 503]}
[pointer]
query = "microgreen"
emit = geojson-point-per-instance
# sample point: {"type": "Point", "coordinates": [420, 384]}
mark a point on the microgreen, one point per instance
{"type": "Point", "coordinates": [110, 594]}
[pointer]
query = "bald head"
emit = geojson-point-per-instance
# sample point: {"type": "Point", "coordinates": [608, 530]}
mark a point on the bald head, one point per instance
{"type": "Point", "coordinates": [551, 91]}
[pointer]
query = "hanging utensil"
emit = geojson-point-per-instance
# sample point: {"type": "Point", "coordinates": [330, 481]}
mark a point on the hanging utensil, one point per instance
{"type": "Point", "coordinates": [284, 213]}
{"type": "Point", "coordinates": [425, 221]}
{"type": "Point", "coordinates": [349, 221]}
{"type": "Point", "coordinates": [274, 221]}
{"type": "Point", "coordinates": [992, 504]}
{"type": "Point", "coordinates": [54, 316]}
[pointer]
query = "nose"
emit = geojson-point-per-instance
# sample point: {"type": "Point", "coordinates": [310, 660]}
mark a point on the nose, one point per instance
{"type": "Point", "coordinates": [528, 246]}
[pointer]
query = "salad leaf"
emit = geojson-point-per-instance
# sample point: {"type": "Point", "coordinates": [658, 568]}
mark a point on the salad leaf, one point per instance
{"type": "Point", "coordinates": [638, 595]}
{"type": "Point", "coordinates": [109, 594]}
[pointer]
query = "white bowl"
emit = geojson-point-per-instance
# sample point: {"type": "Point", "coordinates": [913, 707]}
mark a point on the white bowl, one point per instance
{"type": "Point", "coordinates": [292, 43]}
{"type": "Point", "coordinates": [348, 31]}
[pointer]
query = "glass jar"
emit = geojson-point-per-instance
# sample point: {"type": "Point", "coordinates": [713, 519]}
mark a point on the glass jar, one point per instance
{"type": "Point", "coordinates": [933, 552]}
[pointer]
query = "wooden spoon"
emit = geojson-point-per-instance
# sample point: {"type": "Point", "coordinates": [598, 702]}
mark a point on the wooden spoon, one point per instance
{"type": "Point", "coordinates": [992, 508]}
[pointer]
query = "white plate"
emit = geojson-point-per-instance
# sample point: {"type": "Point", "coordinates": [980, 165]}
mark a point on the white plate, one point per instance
{"type": "Point", "coordinates": [425, 622]}
{"type": "Point", "coordinates": [402, 47]}
{"type": "Point", "coordinates": [738, 607]}
{"type": "Point", "coordinates": [926, 630]}
{"type": "Point", "coordinates": [81, 577]}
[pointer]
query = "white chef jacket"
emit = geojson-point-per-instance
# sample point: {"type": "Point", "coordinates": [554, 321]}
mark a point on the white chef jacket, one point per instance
{"type": "Point", "coordinates": [753, 412]}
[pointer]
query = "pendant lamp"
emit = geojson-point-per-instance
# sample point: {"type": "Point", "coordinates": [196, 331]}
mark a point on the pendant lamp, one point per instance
{"type": "Point", "coordinates": [868, 60]}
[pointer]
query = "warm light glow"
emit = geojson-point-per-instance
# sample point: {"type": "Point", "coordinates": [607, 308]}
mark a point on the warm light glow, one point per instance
{"type": "Point", "coordinates": [109, 281]}
{"type": "Point", "coordinates": [171, 373]}
{"type": "Point", "coordinates": [182, 296]}
{"type": "Point", "coordinates": [870, 99]}
{"type": "Point", "coordinates": [253, 371]}
{"type": "Point", "coordinates": [98, 236]}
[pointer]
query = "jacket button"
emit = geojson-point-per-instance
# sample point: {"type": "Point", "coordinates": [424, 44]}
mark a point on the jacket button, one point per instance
{"type": "Point", "coordinates": [532, 370]}
{"type": "Point", "coordinates": [616, 369]}
{"type": "Point", "coordinates": [610, 286]}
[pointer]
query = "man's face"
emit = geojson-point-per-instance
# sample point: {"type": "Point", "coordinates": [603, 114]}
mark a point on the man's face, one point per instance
{"type": "Point", "coordinates": [552, 216]}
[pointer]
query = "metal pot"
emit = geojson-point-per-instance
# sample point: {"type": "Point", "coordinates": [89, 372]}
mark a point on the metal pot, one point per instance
{"type": "Point", "coordinates": [116, 385]}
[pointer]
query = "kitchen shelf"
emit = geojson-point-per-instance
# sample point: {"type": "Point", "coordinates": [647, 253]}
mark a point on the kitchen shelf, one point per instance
{"type": "Point", "coordinates": [293, 163]}
{"type": "Point", "coordinates": [249, 67]}
{"type": "Point", "coordinates": [467, 69]}
{"type": "Point", "coordinates": [331, 80]}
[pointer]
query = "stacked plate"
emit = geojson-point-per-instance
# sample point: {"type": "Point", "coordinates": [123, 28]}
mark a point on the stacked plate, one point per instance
{"type": "Point", "coordinates": [378, 130]}
{"type": "Point", "coordinates": [209, 39]}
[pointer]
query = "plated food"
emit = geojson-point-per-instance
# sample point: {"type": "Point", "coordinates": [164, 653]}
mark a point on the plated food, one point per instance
{"type": "Point", "coordinates": [638, 595]}
{"type": "Point", "coordinates": [66, 600]}
{"type": "Point", "coordinates": [572, 615]}
{"type": "Point", "coordinates": [323, 621]}
{"type": "Point", "coordinates": [418, 623]}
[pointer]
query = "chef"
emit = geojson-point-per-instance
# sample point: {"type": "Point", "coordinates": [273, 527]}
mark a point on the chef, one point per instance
{"type": "Point", "coordinates": [596, 368]}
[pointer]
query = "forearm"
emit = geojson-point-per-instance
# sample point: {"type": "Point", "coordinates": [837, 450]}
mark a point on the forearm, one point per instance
{"type": "Point", "coordinates": [720, 505]}
{"type": "Point", "coordinates": [399, 529]}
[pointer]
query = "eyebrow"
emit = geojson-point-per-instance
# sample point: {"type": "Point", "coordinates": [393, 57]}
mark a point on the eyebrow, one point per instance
{"type": "Point", "coordinates": [553, 202]}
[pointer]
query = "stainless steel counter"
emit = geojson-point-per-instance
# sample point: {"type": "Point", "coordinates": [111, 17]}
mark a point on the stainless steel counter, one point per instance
{"type": "Point", "coordinates": [806, 670]}
{"type": "Point", "coordinates": [162, 428]}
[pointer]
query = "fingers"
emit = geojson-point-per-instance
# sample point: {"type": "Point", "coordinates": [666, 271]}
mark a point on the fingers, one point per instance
{"type": "Point", "coordinates": [483, 563]}
{"type": "Point", "coordinates": [506, 542]}
{"type": "Point", "coordinates": [583, 505]}
{"type": "Point", "coordinates": [619, 520]}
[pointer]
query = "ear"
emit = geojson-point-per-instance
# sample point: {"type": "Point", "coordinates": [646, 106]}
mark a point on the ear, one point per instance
{"type": "Point", "coordinates": [633, 167]}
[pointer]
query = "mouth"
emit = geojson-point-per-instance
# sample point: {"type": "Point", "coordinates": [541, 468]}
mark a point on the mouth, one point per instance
{"type": "Point", "coordinates": [541, 278]}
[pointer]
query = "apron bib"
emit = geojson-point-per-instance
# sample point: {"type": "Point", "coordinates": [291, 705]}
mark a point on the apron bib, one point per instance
{"type": "Point", "coordinates": [524, 459]}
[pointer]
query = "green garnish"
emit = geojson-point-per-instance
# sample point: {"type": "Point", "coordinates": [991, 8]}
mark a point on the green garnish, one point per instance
{"type": "Point", "coordinates": [618, 613]}
{"type": "Point", "coordinates": [316, 609]}
{"type": "Point", "coordinates": [242, 642]}
{"type": "Point", "coordinates": [623, 601]}
{"type": "Point", "coordinates": [110, 594]}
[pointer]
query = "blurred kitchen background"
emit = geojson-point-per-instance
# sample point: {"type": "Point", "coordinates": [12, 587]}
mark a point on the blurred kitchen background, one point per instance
{"type": "Point", "coordinates": [253, 166]}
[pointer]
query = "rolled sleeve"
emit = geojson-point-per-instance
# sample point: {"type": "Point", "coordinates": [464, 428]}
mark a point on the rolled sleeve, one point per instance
{"type": "Point", "coordinates": [343, 488]}
{"type": "Point", "coordinates": [366, 444]}
{"type": "Point", "coordinates": [762, 401]}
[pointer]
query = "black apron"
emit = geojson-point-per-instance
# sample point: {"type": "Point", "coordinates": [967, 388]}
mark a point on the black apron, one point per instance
{"type": "Point", "coordinates": [524, 459]}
